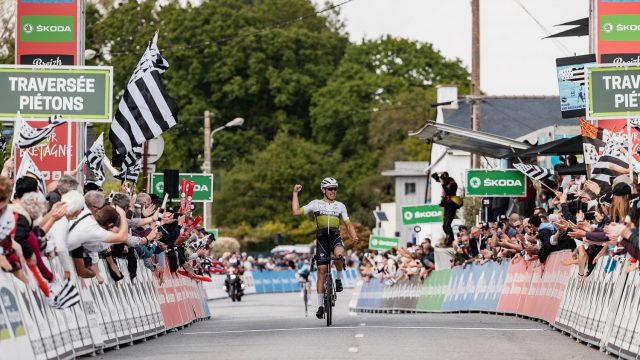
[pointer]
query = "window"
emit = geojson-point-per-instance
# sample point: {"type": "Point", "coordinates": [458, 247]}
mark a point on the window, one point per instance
{"type": "Point", "coordinates": [409, 188]}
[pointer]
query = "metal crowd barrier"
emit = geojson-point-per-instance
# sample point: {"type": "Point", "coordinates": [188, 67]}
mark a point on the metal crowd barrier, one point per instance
{"type": "Point", "coordinates": [109, 314]}
{"type": "Point", "coordinates": [603, 311]}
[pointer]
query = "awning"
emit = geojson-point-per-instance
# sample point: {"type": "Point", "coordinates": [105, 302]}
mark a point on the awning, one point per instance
{"type": "Point", "coordinates": [565, 146]}
{"type": "Point", "coordinates": [476, 142]}
{"type": "Point", "coordinates": [577, 169]}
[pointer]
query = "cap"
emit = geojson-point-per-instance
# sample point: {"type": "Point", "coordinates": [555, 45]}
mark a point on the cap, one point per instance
{"type": "Point", "coordinates": [199, 228]}
{"type": "Point", "coordinates": [621, 189]}
{"type": "Point", "coordinates": [502, 217]}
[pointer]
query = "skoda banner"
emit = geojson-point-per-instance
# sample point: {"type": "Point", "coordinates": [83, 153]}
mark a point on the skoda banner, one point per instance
{"type": "Point", "coordinates": [381, 243]}
{"type": "Point", "coordinates": [496, 183]}
{"type": "Point", "coordinates": [618, 31]}
{"type": "Point", "coordinates": [421, 214]}
{"type": "Point", "coordinates": [613, 92]}
{"type": "Point", "coordinates": [202, 192]}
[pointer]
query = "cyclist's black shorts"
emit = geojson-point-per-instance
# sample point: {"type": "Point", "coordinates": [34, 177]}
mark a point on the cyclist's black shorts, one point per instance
{"type": "Point", "coordinates": [304, 277]}
{"type": "Point", "coordinates": [326, 244]}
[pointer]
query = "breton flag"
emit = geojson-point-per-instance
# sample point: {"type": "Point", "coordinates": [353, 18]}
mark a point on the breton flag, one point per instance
{"type": "Point", "coordinates": [131, 165]}
{"type": "Point", "coordinates": [94, 157]}
{"type": "Point", "coordinates": [3, 146]}
{"type": "Point", "coordinates": [25, 136]}
{"type": "Point", "coordinates": [533, 171]}
{"type": "Point", "coordinates": [606, 151]}
{"type": "Point", "coordinates": [29, 168]}
{"type": "Point", "coordinates": [145, 110]}
{"type": "Point", "coordinates": [66, 298]}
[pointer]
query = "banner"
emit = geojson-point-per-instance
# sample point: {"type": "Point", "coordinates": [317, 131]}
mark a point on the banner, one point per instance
{"type": "Point", "coordinates": [421, 214]}
{"type": "Point", "coordinates": [487, 183]}
{"type": "Point", "coordinates": [571, 83]}
{"type": "Point", "coordinates": [48, 32]}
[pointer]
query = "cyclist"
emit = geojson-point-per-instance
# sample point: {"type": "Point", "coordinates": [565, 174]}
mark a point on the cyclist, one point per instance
{"type": "Point", "coordinates": [303, 278]}
{"type": "Point", "coordinates": [327, 212]}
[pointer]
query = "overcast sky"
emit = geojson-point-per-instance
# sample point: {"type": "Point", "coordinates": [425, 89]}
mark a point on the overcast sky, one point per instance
{"type": "Point", "coordinates": [514, 58]}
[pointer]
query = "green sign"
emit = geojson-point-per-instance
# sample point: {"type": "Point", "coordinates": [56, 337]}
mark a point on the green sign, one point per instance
{"type": "Point", "coordinates": [79, 93]}
{"type": "Point", "coordinates": [624, 27]}
{"type": "Point", "coordinates": [421, 214]}
{"type": "Point", "coordinates": [496, 183]}
{"type": "Point", "coordinates": [382, 243]}
{"type": "Point", "coordinates": [47, 28]}
{"type": "Point", "coordinates": [614, 92]}
{"type": "Point", "coordinates": [202, 192]}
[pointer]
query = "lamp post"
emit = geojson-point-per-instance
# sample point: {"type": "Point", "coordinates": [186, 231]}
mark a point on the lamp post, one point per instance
{"type": "Point", "coordinates": [208, 144]}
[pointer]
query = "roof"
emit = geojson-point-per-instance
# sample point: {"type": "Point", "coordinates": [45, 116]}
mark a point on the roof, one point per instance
{"type": "Point", "coordinates": [510, 116]}
{"type": "Point", "coordinates": [478, 142]}
{"type": "Point", "coordinates": [408, 168]}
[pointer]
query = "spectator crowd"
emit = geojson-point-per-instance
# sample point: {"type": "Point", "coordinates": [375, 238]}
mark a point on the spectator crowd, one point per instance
{"type": "Point", "coordinates": [588, 218]}
{"type": "Point", "coordinates": [82, 225]}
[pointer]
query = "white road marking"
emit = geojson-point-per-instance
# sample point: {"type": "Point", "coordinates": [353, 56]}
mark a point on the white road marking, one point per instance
{"type": "Point", "coordinates": [353, 313]}
{"type": "Point", "coordinates": [353, 349]}
{"type": "Point", "coordinates": [359, 335]}
{"type": "Point", "coordinates": [363, 324]}
{"type": "Point", "coordinates": [368, 327]}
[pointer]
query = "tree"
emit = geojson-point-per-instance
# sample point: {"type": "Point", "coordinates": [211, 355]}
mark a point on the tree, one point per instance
{"type": "Point", "coordinates": [258, 189]}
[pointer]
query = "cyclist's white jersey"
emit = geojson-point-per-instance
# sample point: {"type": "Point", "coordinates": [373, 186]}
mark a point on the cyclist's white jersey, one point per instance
{"type": "Point", "coordinates": [327, 215]}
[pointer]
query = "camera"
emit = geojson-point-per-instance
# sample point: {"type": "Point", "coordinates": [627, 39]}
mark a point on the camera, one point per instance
{"type": "Point", "coordinates": [591, 215]}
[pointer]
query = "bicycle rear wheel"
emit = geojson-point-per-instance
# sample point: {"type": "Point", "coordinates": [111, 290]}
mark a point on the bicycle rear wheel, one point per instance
{"type": "Point", "coordinates": [306, 299]}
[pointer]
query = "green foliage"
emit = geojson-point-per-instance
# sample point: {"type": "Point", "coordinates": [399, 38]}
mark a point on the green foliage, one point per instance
{"type": "Point", "coordinates": [315, 105]}
{"type": "Point", "coordinates": [258, 189]}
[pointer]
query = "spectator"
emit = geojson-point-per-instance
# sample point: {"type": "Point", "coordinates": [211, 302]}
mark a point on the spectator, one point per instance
{"type": "Point", "coordinates": [450, 203]}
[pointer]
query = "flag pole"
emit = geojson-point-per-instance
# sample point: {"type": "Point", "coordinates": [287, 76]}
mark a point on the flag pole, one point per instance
{"type": "Point", "coordinates": [629, 145]}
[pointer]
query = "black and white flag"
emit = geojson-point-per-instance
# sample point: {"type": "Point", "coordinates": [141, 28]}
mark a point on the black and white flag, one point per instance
{"type": "Point", "coordinates": [533, 171]}
{"type": "Point", "coordinates": [29, 168]}
{"type": "Point", "coordinates": [3, 146]}
{"type": "Point", "coordinates": [145, 110]}
{"type": "Point", "coordinates": [131, 165]}
{"type": "Point", "coordinates": [93, 159]}
{"type": "Point", "coordinates": [25, 136]}
{"type": "Point", "coordinates": [66, 298]}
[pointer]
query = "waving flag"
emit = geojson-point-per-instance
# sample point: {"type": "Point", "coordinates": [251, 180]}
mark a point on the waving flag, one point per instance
{"type": "Point", "coordinates": [131, 165]}
{"type": "Point", "coordinates": [66, 298]}
{"type": "Point", "coordinates": [533, 171]}
{"type": "Point", "coordinates": [93, 159]}
{"type": "Point", "coordinates": [25, 136]}
{"type": "Point", "coordinates": [606, 151]}
{"type": "Point", "coordinates": [29, 168]}
{"type": "Point", "coordinates": [145, 110]}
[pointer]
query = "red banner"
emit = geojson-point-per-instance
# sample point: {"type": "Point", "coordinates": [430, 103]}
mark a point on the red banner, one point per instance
{"type": "Point", "coordinates": [47, 33]}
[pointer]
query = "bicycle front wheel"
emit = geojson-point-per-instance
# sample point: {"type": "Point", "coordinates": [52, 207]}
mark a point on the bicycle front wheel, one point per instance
{"type": "Point", "coordinates": [328, 306]}
{"type": "Point", "coordinates": [306, 300]}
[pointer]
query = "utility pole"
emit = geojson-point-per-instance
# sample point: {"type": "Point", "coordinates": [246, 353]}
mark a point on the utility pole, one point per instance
{"type": "Point", "coordinates": [206, 167]}
{"type": "Point", "coordinates": [475, 74]}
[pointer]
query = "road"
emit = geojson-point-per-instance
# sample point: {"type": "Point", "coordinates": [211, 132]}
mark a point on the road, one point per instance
{"type": "Point", "coordinates": [273, 326]}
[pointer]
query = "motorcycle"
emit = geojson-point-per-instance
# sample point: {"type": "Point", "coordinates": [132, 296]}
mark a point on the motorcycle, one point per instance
{"type": "Point", "coordinates": [234, 284]}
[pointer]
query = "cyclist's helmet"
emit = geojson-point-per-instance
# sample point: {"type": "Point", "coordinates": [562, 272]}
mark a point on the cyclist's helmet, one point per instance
{"type": "Point", "coordinates": [328, 182]}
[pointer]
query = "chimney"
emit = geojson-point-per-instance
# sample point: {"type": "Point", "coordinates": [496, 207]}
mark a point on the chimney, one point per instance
{"type": "Point", "coordinates": [448, 93]}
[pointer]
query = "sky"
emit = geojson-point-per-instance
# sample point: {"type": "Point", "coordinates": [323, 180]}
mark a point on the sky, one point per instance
{"type": "Point", "coordinates": [514, 59]}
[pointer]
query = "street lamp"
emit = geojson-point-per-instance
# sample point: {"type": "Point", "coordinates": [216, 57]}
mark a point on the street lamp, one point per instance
{"type": "Point", "coordinates": [235, 122]}
{"type": "Point", "coordinates": [208, 144]}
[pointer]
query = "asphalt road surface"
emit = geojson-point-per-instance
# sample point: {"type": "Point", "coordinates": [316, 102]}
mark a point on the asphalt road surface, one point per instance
{"type": "Point", "coordinates": [273, 326]}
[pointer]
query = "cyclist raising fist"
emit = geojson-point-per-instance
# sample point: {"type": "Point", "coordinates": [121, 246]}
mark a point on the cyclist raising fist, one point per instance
{"type": "Point", "coordinates": [327, 212]}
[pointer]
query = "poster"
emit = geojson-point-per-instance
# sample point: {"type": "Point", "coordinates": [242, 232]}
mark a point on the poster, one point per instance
{"type": "Point", "coordinates": [571, 83]}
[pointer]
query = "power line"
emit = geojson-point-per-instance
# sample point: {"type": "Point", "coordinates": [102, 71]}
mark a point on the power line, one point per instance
{"type": "Point", "coordinates": [544, 29]}
{"type": "Point", "coordinates": [281, 25]}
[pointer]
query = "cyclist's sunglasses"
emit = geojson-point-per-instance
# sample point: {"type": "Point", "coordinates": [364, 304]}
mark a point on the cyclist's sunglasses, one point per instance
{"type": "Point", "coordinates": [331, 189]}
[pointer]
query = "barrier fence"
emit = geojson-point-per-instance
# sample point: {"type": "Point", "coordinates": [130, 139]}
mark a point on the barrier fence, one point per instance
{"type": "Point", "coordinates": [602, 310]}
{"type": "Point", "coordinates": [261, 282]}
{"type": "Point", "coordinates": [108, 315]}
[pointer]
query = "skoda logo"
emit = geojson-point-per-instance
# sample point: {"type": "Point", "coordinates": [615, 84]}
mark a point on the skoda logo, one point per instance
{"type": "Point", "coordinates": [475, 182]}
{"type": "Point", "coordinates": [374, 242]}
{"type": "Point", "coordinates": [608, 27]}
{"type": "Point", "coordinates": [408, 215]}
{"type": "Point", "coordinates": [28, 28]}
